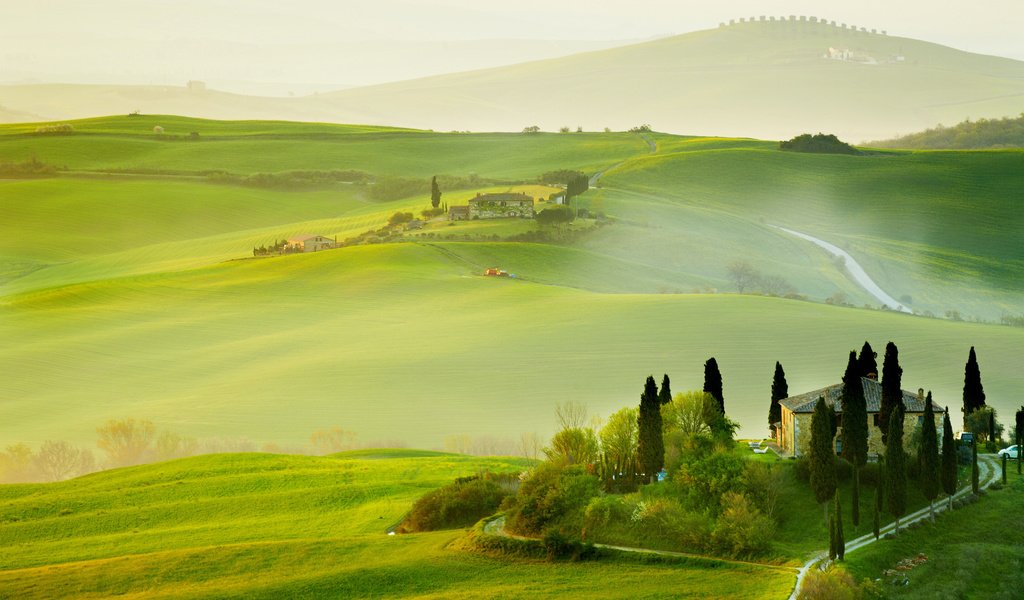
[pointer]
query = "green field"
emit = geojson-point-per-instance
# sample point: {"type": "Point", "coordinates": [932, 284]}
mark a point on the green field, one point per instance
{"type": "Point", "coordinates": [267, 526]}
{"type": "Point", "coordinates": [123, 299]}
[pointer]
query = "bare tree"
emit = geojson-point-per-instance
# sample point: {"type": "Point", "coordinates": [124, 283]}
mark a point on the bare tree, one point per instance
{"type": "Point", "coordinates": [57, 461]}
{"type": "Point", "coordinates": [171, 445]}
{"type": "Point", "coordinates": [335, 439]}
{"type": "Point", "coordinates": [530, 445]}
{"type": "Point", "coordinates": [571, 415]}
{"type": "Point", "coordinates": [743, 274]}
{"type": "Point", "coordinates": [127, 441]}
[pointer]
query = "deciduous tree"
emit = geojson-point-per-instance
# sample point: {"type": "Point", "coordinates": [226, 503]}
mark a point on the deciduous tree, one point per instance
{"type": "Point", "coordinates": [691, 413]}
{"type": "Point", "coordinates": [126, 441]}
{"type": "Point", "coordinates": [619, 439]}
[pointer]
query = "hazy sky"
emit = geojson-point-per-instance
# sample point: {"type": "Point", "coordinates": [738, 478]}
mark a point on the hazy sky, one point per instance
{"type": "Point", "coordinates": [167, 40]}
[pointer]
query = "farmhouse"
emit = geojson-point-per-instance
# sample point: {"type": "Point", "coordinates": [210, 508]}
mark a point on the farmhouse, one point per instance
{"type": "Point", "coordinates": [310, 243]}
{"type": "Point", "coordinates": [794, 430]}
{"type": "Point", "coordinates": [494, 206]}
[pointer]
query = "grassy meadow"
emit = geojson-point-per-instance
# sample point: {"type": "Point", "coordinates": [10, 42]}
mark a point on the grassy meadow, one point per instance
{"type": "Point", "coordinates": [265, 526]}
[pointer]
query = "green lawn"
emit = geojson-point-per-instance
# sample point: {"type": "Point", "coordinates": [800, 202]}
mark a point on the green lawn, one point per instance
{"type": "Point", "coordinates": [267, 526]}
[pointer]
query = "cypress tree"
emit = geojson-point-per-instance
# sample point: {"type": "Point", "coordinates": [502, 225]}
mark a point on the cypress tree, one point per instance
{"type": "Point", "coordinates": [435, 193]}
{"type": "Point", "coordinates": [780, 391]}
{"type": "Point", "coordinates": [1020, 437]}
{"type": "Point", "coordinates": [892, 394]}
{"type": "Point", "coordinates": [866, 361]}
{"type": "Point", "coordinates": [840, 539]}
{"type": "Point", "coordinates": [948, 459]}
{"type": "Point", "coordinates": [928, 455]}
{"type": "Point", "coordinates": [975, 483]}
{"type": "Point", "coordinates": [651, 448]}
{"type": "Point", "coordinates": [879, 485]}
{"type": "Point", "coordinates": [822, 457]}
{"type": "Point", "coordinates": [713, 383]}
{"type": "Point", "coordinates": [832, 551]}
{"type": "Point", "coordinates": [665, 393]}
{"type": "Point", "coordinates": [895, 467]}
{"type": "Point", "coordinates": [974, 392]}
{"type": "Point", "coordinates": [855, 428]}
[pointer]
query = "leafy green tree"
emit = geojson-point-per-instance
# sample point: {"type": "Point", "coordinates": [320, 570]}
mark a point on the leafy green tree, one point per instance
{"type": "Point", "coordinates": [866, 361]}
{"type": "Point", "coordinates": [691, 413]}
{"type": "Point", "coordinates": [619, 440]}
{"type": "Point", "coordinates": [892, 393]}
{"type": "Point", "coordinates": [948, 468]}
{"type": "Point", "coordinates": [665, 393]}
{"type": "Point", "coordinates": [985, 425]}
{"type": "Point", "coordinates": [435, 193]}
{"type": "Point", "coordinates": [573, 446]}
{"type": "Point", "coordinates": [822, 456]}
{"type": "Point", "coordinates": [780, 391]}
{"type": "Point", "coordinates": [928, 455]}
{"type": "Point", "coordinates": [974, 392]}
{"type": "Point", "coordinates": [651, 450]}
{"type": "Point", "coordinates": [820, 143]}
{"type": "Point", "coordinates": [554, 215]}
{"type": "Point", "coordinates": [895, 467]}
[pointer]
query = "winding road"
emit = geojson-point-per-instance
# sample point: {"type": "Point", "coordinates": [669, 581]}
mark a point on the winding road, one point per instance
{"type": "Point", "coordinates": [853, 268]}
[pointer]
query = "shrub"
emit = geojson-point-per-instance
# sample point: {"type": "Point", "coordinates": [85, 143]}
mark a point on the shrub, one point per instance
{"type": "Point", "coordinates": [869, 474]}
{"type": "Point", "coordinates": [603, 510]}
{"type": "Point", "coordinates": [561, 546]}
{"type": "Point", "coordinates": [832, 584]}
{"type": "Point", "coordinates": [552, 496]}
{"type": "Point", "coordinates": [741, 528]}
{"type": "Point", "coordinates": [704, 479]}
{"type": "Point", "coordinates": [844, 469]}
{"type": "Point", "coordinates": [400, 217]}
{"type": "Point", "coordinates": [459, 504]}
{"type": "Point", "coordinates": [432, 212]}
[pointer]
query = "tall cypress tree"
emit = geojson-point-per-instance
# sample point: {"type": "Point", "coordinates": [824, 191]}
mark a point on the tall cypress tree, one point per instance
{"type": "Point", "coordinates": [974, 392]}
{"type": "Point", "coordinates": [651, 447]}
{"type": "Point", "coordinates": [866, 361]}
{"type": "Point", "coordinates": [780, 391]}
{"type": "Point", "coordinates": [1020, 438]}
{"type": "Point", "coordinates": [435, 193]}
{"type": "Point", "coordinates": [948, 469]}
{"type": "Point", "coordinates": [713, 383]}
{"type": "Point", "coordinates": [855, 427]}
{"type": "Point", "coordinates": [892, 393]}
{"type": "Point", "coordinates": [895, 467]}
{"type": "Point", "coordinates": [928, 455]}
{"type": "Point", "coordinates": [840, 538]}
{"type": "Point", "coordinates": [879, 486]}
{"type": "Point", "coordinates": [822, 456]}
{"type": "Point", "coordinates": [665, 393]}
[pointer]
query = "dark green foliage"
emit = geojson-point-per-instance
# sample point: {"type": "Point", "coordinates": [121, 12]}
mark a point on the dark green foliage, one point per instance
{"type": "Point", "coordinates": [560, 177]}
{"type": "Point", "coordinates": [855, 415]}
{"type": "Point", "coordinates": [974, 469]}
{"type": "Point", "coordinates": [562, 547]}
{"type": "Point", "coordinates": [651, 447]}
{"type": "Point", "coordinates": [292, 180]}
{"type": "Point", "coordinates": [837, 525]}
{"type": "Point", "coordinates": [665, 393]}
{"type": "Point", "coordinates": [819, 144]}
{"type": "Point", "coordinates": [855, 499]}
{"type": "Point", "coordinates": [1007, 132]}
{"type": "Point", "coordinates": [551, 497]}
{"type": "Point", "coordinates": [713, 382]}
{"type": "Point", "coordinates": [974, 392]}
{"type": "Point", "coordinates": [555, 215]}
{"type": "Point", "coordinates": [896, 468]}
{"type": "Point", "coordinates": [928, 454]}
{"type": "Point", "coordinates": [1020, 437]}
{"type": "Point", "coordinates": [822, 456]}
{"type": "Point", "coordinates": [879, 498]}
{"type": "Point", "coordinates": [992, 429]}
{"type": "Point", "coordinates": [435, 193]}
{"type": "Point", "coordinates": [949, 462]}
{"type": "Point", "coordinates": [892, 394]}
{"type": "Point", "coordinates": [704, 479]}
{"type": "Point", "coordinates": [866, 361]}
{"type": "Point", "coordinates": [459, 504]}
{"type": "Point", "coordinates": [780, 391]}
{"type": "Point", "coordinates": [399, 218]}
{"type": "Point", "coordinates": [576, 186]}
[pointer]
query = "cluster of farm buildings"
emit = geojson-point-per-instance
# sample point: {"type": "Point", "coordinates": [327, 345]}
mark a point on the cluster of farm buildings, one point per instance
{"type": "Point", "coordinates": [493, 206]}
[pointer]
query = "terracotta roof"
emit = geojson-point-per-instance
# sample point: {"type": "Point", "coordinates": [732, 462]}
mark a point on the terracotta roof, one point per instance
{"type": "Point", "coordinates": [804, 403]}
{"type": "Point", "coordinates": [498, 197]}
{"type": "Point", "coordinates": [303, 237]}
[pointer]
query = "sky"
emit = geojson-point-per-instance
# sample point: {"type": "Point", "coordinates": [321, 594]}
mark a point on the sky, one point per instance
{"type": "Point", "coordinates": [315, 45]}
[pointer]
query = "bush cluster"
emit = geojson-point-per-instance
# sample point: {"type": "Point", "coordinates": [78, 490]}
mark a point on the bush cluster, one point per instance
{"type": "Point", "coordinates": [459, 504]}
{"type": "Point", "coordinates": [552, 498]}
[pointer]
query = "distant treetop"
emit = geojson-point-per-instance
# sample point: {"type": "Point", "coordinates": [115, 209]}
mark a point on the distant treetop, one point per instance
{"type": "Point", "coordinates": [821, 144]}
{"type": "Point", "coordinates": [983, 133]}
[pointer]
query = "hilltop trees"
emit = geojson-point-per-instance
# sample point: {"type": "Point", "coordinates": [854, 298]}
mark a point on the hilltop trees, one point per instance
{"type": "Point", "coordinates": [974, 392]}
{"type": "Point", "coordinates": [126, 442]}
{"type": "Point", "coordinates": [820, 144]}
{"type": "Point", "coordinates": [892, 393]}
{"type": "Point", "coordinates": [948, 466]}
{"type": "Point", "coordinates": [651, 450]}
{"type": "Point", "coordinates": [713, 382]}
{"type": "Point", "coordinates": [435, 193]}
{"type": "Point", "coordinates": [855, 426]}
{"type": "Point", "coordinates": [780, 391]}
{"type": "Point", "coordinates": [822, 456]}
{"type": "Point", "coordinates": [665, 393]}
{"type": "Point", "coordinates": [866, 361]}
{"type": "Point", "coordinates": [928, 456]}
{"type": "Point", "coordinates": [896, 467]}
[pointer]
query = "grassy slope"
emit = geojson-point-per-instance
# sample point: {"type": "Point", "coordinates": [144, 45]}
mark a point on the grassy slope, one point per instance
{"type": "Point", "coordinates": [263, 526]}
{"type": "Point", "coordinates": [891, 211]}
{"type": "Point", "coordinates": [457, 350]}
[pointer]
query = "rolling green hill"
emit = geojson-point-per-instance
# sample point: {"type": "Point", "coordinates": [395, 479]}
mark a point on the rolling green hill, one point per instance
{"type": "Point", "coordinates": [266, 526]}
{"type": "Point", "coordinates": [766, 79]}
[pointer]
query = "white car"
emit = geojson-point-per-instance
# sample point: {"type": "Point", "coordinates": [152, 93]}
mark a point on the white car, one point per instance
{"type": "Point", "coordinates": [1009, 452]}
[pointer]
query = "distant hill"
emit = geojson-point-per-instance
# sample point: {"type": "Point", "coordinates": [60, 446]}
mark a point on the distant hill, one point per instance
{"type": "Point", "coordinates": [771, 79]}
{"type": "Point", "coordinates": [968, 135]}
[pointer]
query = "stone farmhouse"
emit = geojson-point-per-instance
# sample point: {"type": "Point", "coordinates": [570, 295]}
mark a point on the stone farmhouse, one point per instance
{"type": "Point", "coordinates": [494, 206]}
{"type": "Point", "coordinates": [310, 243]}
{"type": "Point", "coordinates": [793, 432]}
